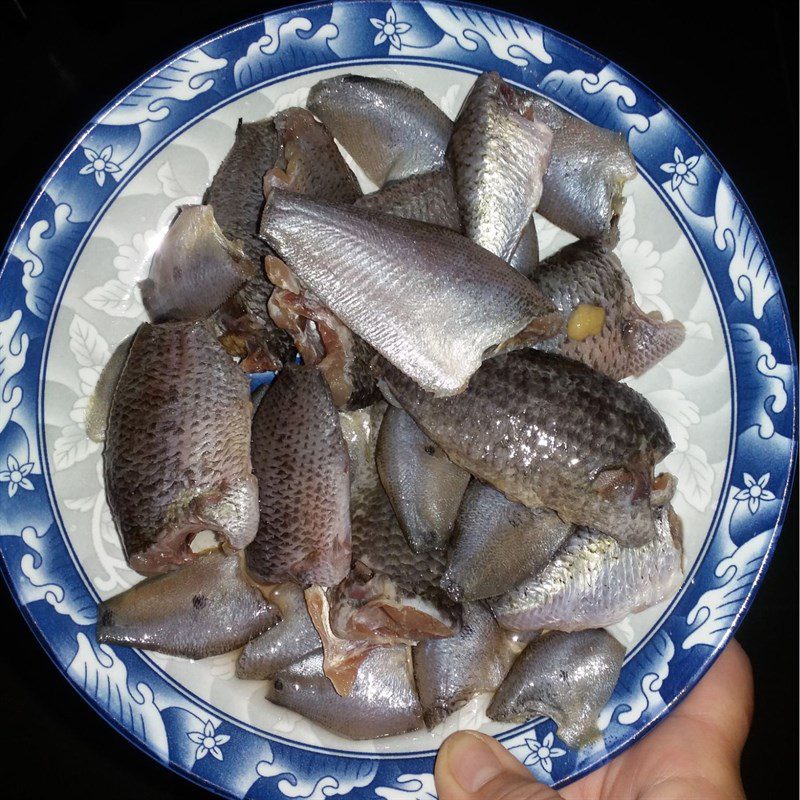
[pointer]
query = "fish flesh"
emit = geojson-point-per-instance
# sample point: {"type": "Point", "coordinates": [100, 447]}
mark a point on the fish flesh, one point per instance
{"type": "Point", "coordinates": [392, 593]}
{"type": "Point", "coordinates": [498, 543]}
{"type": "Point", "coordinates": [290, 640]}
{"type": "Point", "coordinates": [589, 166]}
{"type": "Point", "coordinates": [499, 152]}
{"type": "Point", "coordinates": [309, 162]}
{"type": "Point", "coordinates": [382, 702]}
{"type": "Point", "coordinates": [424, 486]}
{"type": "Point", "coordinates": [195, 269]}
{"type": "Point", "coordinates": [429, 197]}
{"type": "Point", "coordinates": [177, 449]}
{"type": "Point", "coordinates": [99, 405]}
{"type": "Point", "coordinates": [427, 299]}
{"type": "Point", "coordinates": [450, 672]}
{"type": "Point", "coordinates": [390, 129]}
{"type": "Point", "coordinates": [568, 677]}
{"type": "Point", "coordinates": [592, 582]}
{"type": "Point", "coordinates": [549, 431]}
{"type": "Point", "coordinates": [301, 463]}
{"type": "Point", "coordinates": [205, 608]}
{"type": "Point", "coordinates": [525, 257]}
{"type": "Point", "coordinates": [322, 339]}
{"type": "Point", "coordinates": [627, 342]}
{"type": "Point", "coordinates": [237, 196]}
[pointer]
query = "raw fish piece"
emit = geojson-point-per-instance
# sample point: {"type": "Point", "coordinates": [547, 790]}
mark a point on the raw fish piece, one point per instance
{"type": "Point", "coordinates": [290, 640]}
{"type": "Point", "coordinates": [309, 162]}
{"type": "Point", "coordinates": [301, 463]}
{"type": "Point", "coordinates": [424, 486]}
{"type": "Point", "coordinates": [392, 593]}
{"type": "Point", "coordinates": [177, 453]}
{"type": "Point", "coordinates": [626, 341]}
{"type": "Point", "coordinates": [195, 269]}
{"type": "Point", "coordinates": [237, 196]}
{"type": "Point", "coordinates": [391, 129]}
{"type": "Point", "coordinates": [382, 702]}
{"type": "Point", "coordinates": [424, 297]}
{"type": "Point", "coordinates": [429, 197]}
{"type": "Point", "coordinates": [525, 257]}
{"type": "Point", "coordinates": [592, 582]}
{"type": "Point", "coordinates": [498, 543]}
{"type": "Point", "coordinates": [449, 672]}
{"type": "Point", "coordinates": [499, 153]}
{"type": "Point", "coordinates": [99, 405]}
{"type": "Point", "coordinates": [205, 608]}
{"type": "Point", "coordinates": [549, 431]}
{"type": "Point", "coordinates": [589, 166]}
{"type": "Point", "coordinates": [565, 676]}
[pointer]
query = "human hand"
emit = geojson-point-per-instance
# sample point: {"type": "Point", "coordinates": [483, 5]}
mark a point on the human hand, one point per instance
{"type": "Point", "coordinates": [692, 755]}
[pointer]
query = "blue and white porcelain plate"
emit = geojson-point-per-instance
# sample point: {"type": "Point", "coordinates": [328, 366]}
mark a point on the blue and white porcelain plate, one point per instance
{"type": "Point", "coordinates": [68, 296]}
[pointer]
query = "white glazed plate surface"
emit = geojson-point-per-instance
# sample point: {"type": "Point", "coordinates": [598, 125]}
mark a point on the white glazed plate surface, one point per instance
{"type": "Point", "coordinates": [68, 296]}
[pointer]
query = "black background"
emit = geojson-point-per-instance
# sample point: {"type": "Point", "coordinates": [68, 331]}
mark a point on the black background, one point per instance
{"type": "Point", "coordinates": [730, 70]}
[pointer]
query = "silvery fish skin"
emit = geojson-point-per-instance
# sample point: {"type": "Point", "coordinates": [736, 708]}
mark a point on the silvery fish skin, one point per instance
{"type": "Point", "coordinates": [392, 594]}
{"type": "Point", "coordinates": [429, 197]}
{"type": "Point", "coordinates": [177, 452]}
{"type": "Point", "coordinates": [391, 129]}
{"type": "Point", "coordinates": [424, 486]}
{"type": "Point", "coordinates": [203, 609]}
{"type": "Point", "coordinates": [568, 677]}
{"type": "Point", "coordinates": [592, 582]}
{"type": "Point", "coordinates": [499, 154]}
{"type": "Point", "coordinates": [427, 299]}
{"type": "Point", "coordinates": [290, 640]}
{"type": "Point", "coordinates": [588, 169]}
{"type": "Point", "coordinates": [549, 431]}
{"type": "Point", "coordinates": [525, 257]}
{"type": "Point", "coordinates": [309, 161]}
{"type": "Point", "coordinates": [99, 405]}
{"type": "Point", "coordinates": [498, 543]}
{"type": "Point", "coordinates": [195, 268]}
{"type": "Point", "coordinates": [449, 672]}
{"type": "Point", "coordinates": [301, 463]}
{"type": "Point", "coordinates": [630, 342]}
{"type": "Point", "coordinates": [237, 196]}
{"type": "Point", "coordinates": [382, 701]}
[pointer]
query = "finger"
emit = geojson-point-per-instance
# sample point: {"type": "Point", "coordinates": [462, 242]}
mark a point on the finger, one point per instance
{"type": "Point", "coordinates": [472, 766]}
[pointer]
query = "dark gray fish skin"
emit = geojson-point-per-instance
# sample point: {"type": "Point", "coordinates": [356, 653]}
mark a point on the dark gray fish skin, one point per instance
{"type": "Point", "coordinates": [499, 154]}
{"type": "Point", "coordinates": [423, 485]}
{"type": "Point", "coordinates": [393, 591]}
{"type": "Point", "coordinates": [309, 162]}
{"type": "Point", "coordinates": [592, 582]}
{"type": "Point", "coordinates": [237, 196]}
{"type": "Point", "coordinates": [568, 677]}
{"type": "Point", "coordinates": [450, 672]}
{"type": "Point", "coordinates": [429, 197]}
{"type": "Point", "coordinates": [588, 168]}
{"type": "Point", "coordinates": [195, 269]}
{"type": "Point", "coordinates": [424, 297]}
{"type": "Point", "coordinates": [382, 701]}
{"type": "Point", "coordinates": [391, 129]}
{"type": "Point", "coordinates": [498, 543]}
{"type": "Point", "coordinates": [99, 405]}
{"type": "Point", "coordinates": [177, 452]}
{"type": "Point", "coordinates": [525, 257]}
{"type": "Point", "coordinates": [290, 640]}
{"type": "Point", "coordinates": [203, 609]}
{"type": "Point", "coordinates": [549, 431]}
{"type": "Point", "coordinates": [301, 462]}
{"type": "Point", "coordinates": [630, 342]}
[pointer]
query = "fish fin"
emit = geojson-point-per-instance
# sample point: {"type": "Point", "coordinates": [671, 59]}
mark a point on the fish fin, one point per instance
{"type": "Point", "coordinates": [648, 338]}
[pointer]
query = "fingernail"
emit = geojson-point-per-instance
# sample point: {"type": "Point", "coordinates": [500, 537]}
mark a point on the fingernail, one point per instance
{"type": "Point", "coordinates": [471, 761]}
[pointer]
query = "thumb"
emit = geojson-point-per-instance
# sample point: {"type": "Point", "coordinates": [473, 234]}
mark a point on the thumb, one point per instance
{"type": "Point", "coordinates": [473, 766]}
